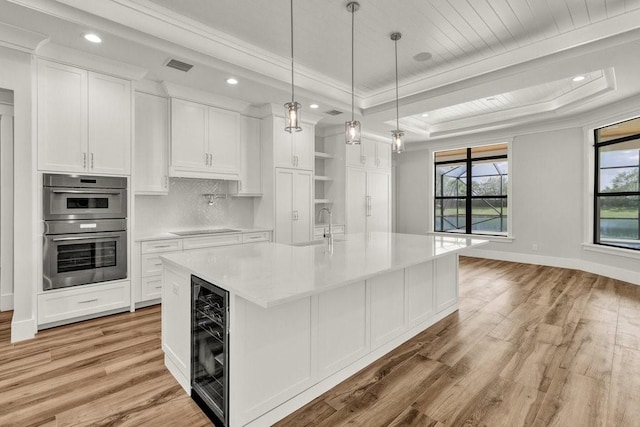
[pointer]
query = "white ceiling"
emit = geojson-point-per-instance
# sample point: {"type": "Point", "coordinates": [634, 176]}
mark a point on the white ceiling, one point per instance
{"type": "Point", "coordinates": [521, 52]}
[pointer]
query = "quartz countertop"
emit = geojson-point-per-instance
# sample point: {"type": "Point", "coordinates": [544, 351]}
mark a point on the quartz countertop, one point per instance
{"type": "Point", "coordinates": [166, 235]}
{"type": "Point", "coordinates": [268, 274]}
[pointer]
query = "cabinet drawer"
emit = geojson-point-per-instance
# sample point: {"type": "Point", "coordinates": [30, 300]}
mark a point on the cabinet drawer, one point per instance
{"type": "Point", "coordinates": [151, 265]}
{"type": "Point", "coordinates": [205, 242]}
{"type": "Point", "coordinates": [151, 287]}
{"type": "Point", "coordinates": [67, 304]}
{"type": "Point", "coordinates": [157, 246]}
{"type": "Point", "coordinates": [319, 232]}
{"type": "Point", "coordinates": [260, 236]}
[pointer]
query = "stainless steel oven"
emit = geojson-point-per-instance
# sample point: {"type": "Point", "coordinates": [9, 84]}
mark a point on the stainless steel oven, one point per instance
{"type": "Point", "coordinates": [85, 237]}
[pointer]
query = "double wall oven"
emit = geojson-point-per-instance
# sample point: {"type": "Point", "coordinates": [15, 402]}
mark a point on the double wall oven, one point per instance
{"type": "Point", "coordinates": [85, 230]}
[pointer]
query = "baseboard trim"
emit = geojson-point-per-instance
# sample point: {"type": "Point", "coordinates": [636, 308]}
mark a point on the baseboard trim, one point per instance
{"type": "Point", "coordinates": [6, 302]}
{"type": "Point", "coordinates": [576, 264]}
{"type": "Point", "coordinates": [23, 330]}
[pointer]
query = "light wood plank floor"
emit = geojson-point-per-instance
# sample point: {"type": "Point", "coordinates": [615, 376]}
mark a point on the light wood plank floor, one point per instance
{"type": "Point", "coordinates": [530, 346]}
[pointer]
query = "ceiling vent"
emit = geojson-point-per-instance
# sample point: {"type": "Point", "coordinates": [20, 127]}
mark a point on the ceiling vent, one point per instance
{"type": "Point", "coordinates": [179, 65]}
{"type": "Point", "coordinates": [333, 112]}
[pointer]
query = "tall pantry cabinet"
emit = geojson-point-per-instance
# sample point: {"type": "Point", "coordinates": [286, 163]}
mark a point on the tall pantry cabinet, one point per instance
{"type": "Point", "coordinates": [287, 178]}
{"type": "Point", "coordinates": [361, 193]}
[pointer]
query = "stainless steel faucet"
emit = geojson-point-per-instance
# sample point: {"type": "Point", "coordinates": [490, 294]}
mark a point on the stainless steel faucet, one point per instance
{"type": "Point", "coordinates": [328, 235]}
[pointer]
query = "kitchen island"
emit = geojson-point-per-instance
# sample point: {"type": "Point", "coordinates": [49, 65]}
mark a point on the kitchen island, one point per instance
{"type": "Point", "coordinates": [304, 318]}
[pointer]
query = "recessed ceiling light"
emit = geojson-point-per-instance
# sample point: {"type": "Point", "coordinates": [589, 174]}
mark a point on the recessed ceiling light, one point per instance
{"type": "Point", "coordinates": [491, 98]}
{"type": "Point", "coordinates": [422, 56]}
{"type": "Point", "coordinates": [578, 78]}
{"type": "Point", "coordinates": [425, 115]}
{"type": "Point", "coordinates": [93, 38]}
{"type": "Point", "coordinates": [314, 106]}
{"type": "Point", "coordinates": [232, 81]}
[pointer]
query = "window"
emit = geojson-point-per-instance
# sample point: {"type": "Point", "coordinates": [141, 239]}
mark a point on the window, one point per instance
{"type": "Point", "coordinates": [617, 185]}
{"type": "Point", "coordinates": [471, 190]}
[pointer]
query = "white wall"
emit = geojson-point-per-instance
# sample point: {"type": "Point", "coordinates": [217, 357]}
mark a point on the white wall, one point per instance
{"type": "Point", "coordinates": [16, 75]}
{"type": "Point", "coordinates": [549, 196]}
{"type": "Point", "coordinates": [6, 200]}
{"type": "Point", "coordinates": [186, 208]}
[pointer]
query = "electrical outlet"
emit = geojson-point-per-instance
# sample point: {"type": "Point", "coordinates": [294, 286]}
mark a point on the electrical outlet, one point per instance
{"type": "Point", "coordinates": [534, 247]}
{"type": "Point", "coordinates": [176, 289]}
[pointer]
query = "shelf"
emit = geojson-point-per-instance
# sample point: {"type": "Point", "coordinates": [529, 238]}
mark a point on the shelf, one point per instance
{"type": "Point", "coordinates": [322, 201]}
{"type": "Point", "coordinates": [322, 178]}
{"type": "Point", "coordinates": [320, 155]}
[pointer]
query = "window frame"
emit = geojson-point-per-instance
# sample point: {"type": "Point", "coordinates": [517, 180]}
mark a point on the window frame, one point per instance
{"type": "Point", "coordinates": [469, 161]}
{"type": "Point", "coordinates": [597, 193]}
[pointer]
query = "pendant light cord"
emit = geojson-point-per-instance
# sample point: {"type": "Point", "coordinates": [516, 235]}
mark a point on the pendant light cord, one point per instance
{"type": "Point", "coordinates": [353, 12]}
{"type": "Point", "coordinates": [292, 85]}
{"type": "Point", "coordinates": [397, 108]}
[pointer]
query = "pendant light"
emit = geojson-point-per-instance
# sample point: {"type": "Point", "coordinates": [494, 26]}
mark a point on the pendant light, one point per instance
{"type": "Point", "coordinates": [292, 109]}
{"type": "Point", "coordinates": [352, 127]}
{"type": "Point", "coordinates": [396, 135]}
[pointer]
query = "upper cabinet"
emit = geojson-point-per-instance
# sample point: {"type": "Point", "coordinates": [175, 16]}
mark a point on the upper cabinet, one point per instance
{"type": "Point", "coordinates": [369, 154]}
{"type": "Point", "coordinates": [293, 150]}
{"type": "Point", "coordinates": [151, 144]}
{"type": "Point", "coordinates": [250, 183]}
{"type": "Point", "coordinates": [204, 141]}
{"type": "Point", "coordinates": [84, 121]}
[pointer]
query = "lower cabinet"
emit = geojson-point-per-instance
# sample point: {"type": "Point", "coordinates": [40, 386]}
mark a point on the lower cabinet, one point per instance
{"type": "Point", "coordinates": [65, 304]}
{"type": "Point", "coordinates": [342, 327]}
{"type": "Point", "coordinates": [387, 305]}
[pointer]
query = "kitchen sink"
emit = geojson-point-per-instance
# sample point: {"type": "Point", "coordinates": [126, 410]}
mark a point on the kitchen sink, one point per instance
{"type": "Point", "coordinates": [207, 231]}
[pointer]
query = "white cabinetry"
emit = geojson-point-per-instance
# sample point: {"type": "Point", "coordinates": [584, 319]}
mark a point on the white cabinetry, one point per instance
{"type": "Point", "coordinates": [84, 120]}
{"type": "Point", "coordinates": [293, 206]}
{"type": "Point", "coordinates": [387, 307]}
{"type": "Point", "coordinates": [293, 150]}
{"type": "Point", "coordinates": [368, 199]}
{"type": "Point", "coordinates": [151, 144]}
{"type": "Point", "coordinates": [250, 183]}
{"type": "Point", "coordinates": [151, 266]}
{"type": "Point", "coordinates": [65, 304]}
{"type": "Point", "coordinates": [369, 154]}
{"type": "Point", "coordinates": [204, 141]}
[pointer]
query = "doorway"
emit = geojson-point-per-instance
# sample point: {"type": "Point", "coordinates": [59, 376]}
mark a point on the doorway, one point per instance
{"type": "Point", "coordinates": [6, 199]}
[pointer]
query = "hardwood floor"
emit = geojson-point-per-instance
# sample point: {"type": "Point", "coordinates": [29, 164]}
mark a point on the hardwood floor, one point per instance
{"type": "Point", "coordinates": [530, 346]}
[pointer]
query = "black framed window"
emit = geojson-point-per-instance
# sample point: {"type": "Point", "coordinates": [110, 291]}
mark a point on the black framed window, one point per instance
{"type": "Point", "coordinates": [471, 190]}
{"type": "Point", "coordinates": [617, 185]}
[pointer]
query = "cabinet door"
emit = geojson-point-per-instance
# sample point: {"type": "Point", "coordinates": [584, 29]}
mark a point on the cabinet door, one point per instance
{"type": "Point", "coordinates": [224, 140]}
{"type": "Point", "coordinates": [284, 206]}
{"type": "Point", "coordinates": [369, 153]}
{"type": "Point", "coordinates": [304, 147]}
{"type": "Point", "coordinates": [383, 155]}
{"type": "Point", "coordinates": [354, 155]}
{"type": "Point", "coordinates": [282, 145]}
{"type": "Point", "coordinates": [109, 124]}
{"type": "Point", "coordinates": [151, 139]}
{"type": "Point", "coordinates": [379, 193]}
{"type": "Point", "coordinates": [62, 118]}
{"type": "Point", "coordinates": [189, 135]}
{"type": "Point", "coordinates": [356, 200]}
{"type": "Point", "coordinates": [387, 307]}
{"type": "Point", "coordinates": [302, 205]}
{"type": "Point", "coordinates": [250, 154]}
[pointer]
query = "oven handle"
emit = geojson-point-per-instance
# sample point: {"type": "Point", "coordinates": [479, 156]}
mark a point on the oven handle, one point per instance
{"type": "Point", "coordinates": [94, 237]}
{"type": "Point", "coordinates": [94, 191]}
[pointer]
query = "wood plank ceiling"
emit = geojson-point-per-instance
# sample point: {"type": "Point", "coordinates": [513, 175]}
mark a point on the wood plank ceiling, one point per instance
{"type": "Point", "coordinates": [455, 33]}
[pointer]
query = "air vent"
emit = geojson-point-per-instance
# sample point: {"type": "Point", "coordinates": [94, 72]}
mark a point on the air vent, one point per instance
{"type": "Point", "coordinates": [179, 65]}
{"type": "Point", "coordinates": [333, 112]}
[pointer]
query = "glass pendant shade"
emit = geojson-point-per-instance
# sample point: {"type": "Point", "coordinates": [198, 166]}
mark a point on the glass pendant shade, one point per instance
{"type": "Point", "coordinates": [292, 117]}
{"type": "Point", "coordinates": [352, 132]}
{"type": "Point", "coordinates": [396, 142]}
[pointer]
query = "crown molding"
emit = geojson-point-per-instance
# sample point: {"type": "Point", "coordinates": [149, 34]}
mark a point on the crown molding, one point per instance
{"type": "Point", "coordinates": [20, 39]}
{"type": "Point", "coordinates": [196, 95]}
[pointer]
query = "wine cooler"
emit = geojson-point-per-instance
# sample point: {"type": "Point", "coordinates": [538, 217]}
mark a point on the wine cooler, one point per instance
{"type": "Point", "coordinates": [210, 349]}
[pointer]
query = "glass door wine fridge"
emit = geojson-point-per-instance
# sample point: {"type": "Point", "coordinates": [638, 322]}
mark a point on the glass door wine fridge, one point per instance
{"type": "Point", "coordinates": [210, 349]}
